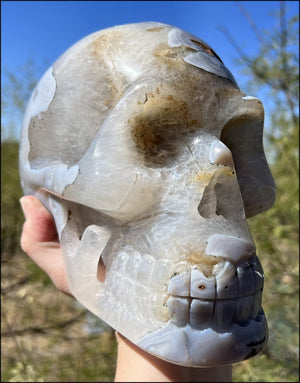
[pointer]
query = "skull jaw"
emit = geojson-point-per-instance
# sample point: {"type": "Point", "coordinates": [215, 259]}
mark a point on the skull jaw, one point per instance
{"type": "Point", "coordinates": [207, 348]}
{"type": "Point", "coordinates": [186, 345]}
{"type": "Point", "coordinates": [134, 269]}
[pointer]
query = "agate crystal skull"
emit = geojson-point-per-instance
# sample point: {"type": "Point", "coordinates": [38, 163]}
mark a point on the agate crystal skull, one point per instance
{"type": "Point", "coordinates": [140, 143]}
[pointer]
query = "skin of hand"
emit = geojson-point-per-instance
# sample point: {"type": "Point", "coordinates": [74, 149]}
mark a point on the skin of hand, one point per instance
{"type": "Point", "coordinates": [39, 240]}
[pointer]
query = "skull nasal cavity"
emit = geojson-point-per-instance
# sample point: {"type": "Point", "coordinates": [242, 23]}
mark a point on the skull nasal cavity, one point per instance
{"type": "Point", "coordinates": [208, 204]}
{"type": "Point", "coordinates": [219, 198]}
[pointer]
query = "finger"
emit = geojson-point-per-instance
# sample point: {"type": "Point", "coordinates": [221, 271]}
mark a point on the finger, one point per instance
{"type": "Point", "coordinates": [39, 225]}
{"type": "Point", "coordinates": [48, 256]}
{"type": "Point", "coordinates": [39, 240]}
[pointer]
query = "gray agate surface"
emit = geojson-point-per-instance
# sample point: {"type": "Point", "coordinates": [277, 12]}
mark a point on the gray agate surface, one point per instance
{"type": "Point", "coordinates": [140, 143]}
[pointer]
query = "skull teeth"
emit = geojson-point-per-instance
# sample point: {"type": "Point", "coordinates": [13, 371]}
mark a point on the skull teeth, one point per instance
{"type": "Point", "coordinates": [232, 295]}
{"type": "Point", "coordinates": [204, 308]}
{"type": "Point", "coordinates": [213, 313]}
{"type": "Point", "coordinates": [201, 286]}
{"type": "Point", "coordinates": [227, 282]}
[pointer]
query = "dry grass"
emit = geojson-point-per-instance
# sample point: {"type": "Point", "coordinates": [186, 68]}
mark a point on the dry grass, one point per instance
{"type": "Point", "coordinates": [44, 335]}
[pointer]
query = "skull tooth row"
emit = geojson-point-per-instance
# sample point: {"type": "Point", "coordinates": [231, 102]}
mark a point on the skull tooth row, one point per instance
{"type": "Point", "coordinates": [213, 313]}
{"type": "Point", "coordinates": [228, 281]}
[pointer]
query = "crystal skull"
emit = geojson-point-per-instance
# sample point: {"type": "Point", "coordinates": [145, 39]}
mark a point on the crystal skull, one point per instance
{"type": "Point", "coordinates": [140, 143]}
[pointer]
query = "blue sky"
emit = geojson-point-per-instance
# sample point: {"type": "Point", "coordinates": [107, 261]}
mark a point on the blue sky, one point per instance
{"type": "Point", "coordinates": [43, 30]}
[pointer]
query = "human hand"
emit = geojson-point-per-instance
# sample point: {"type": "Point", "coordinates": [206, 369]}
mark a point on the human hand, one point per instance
{"type": "Point", "coordinates": [40, 242]}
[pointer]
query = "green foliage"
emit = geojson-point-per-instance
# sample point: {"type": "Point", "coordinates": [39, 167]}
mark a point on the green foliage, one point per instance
{"type": "Point", "coordinates": [276, 232]}
{"type": "Point", "coordinates": [82, 360]}
{"type": "Point", "coordinates": [21, 373]}
{"type": "Point", "coordinates": [264, 369]}
{"type": "Point", "coordinates": [12, 219]}
{"type": "Point", "coordinates": [94, 359]}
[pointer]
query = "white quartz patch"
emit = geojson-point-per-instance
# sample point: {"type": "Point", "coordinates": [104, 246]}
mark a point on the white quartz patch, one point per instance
{"type": "Point", "coordinates": [210, 64]}
{"type": "Point", "coordinates": [39, 102]}
{"type": "Point", "coordinates": [200, 59]}
{"type": "Point", "coordinates": [220, 154]}
{"type": "Point", "coordinates": [229, 247]}
{"type": "Point", "coordinates": [60, 214]}
{"type": "Point", "coordinates": [249, 98]}
{"type": "Point", "coordinates": [178, 37]}
{"type": "Point", "coordinates": [54, 178]}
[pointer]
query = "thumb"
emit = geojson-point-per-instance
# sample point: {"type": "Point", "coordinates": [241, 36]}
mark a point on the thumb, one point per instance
{"type": "Point", "coordinates": [39, 240]}
{"type": "Point", "coordinates": [39, 226]}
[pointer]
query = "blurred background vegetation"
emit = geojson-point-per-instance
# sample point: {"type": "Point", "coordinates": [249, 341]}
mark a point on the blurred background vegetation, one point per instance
{"type": "Point", "coordinates": [46, 336]}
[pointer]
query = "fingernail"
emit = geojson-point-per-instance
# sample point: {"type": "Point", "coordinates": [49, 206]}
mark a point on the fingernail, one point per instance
{"type": "Point", "coordinates": [24, 205]}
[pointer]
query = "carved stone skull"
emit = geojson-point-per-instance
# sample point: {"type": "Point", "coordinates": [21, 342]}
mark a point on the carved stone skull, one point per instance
{"type": "Point", "coordinates": [140, 143]}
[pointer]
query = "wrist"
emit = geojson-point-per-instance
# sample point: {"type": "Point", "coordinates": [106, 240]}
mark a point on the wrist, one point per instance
{"type": "Point", "coordinates": [136, 365]}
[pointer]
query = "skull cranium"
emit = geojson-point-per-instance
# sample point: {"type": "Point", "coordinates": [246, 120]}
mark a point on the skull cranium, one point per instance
{"type": "Point", "coordinates": [150, 158]}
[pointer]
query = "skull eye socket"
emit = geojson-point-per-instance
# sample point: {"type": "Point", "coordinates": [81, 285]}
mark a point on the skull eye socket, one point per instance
{"type": "Point", "coordinates": [158, 140]}
{"type": "Point", "coordinates": [160, 131]}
